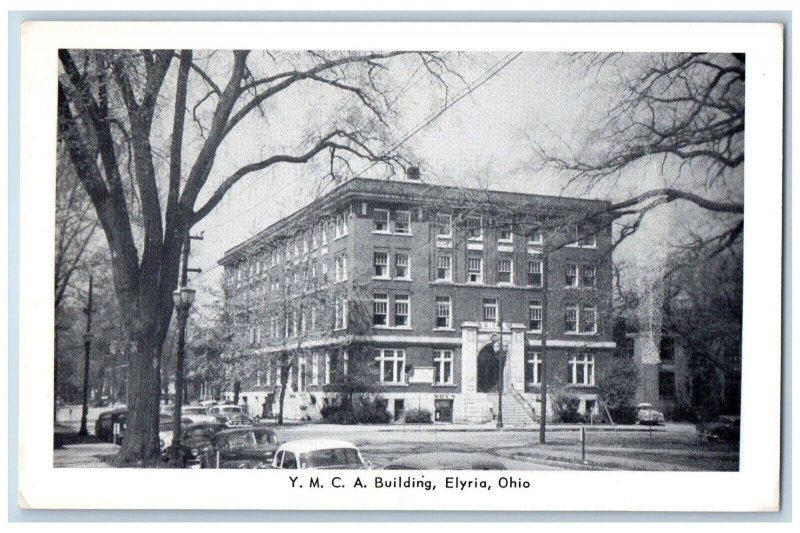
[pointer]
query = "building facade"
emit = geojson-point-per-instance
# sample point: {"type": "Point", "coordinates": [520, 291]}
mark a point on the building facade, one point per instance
{"type": "Point", "coordinates": [409, 290]}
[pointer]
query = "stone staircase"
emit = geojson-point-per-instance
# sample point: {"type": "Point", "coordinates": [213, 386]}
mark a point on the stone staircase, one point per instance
{"type": "Point", "coordinates": [515, 414]}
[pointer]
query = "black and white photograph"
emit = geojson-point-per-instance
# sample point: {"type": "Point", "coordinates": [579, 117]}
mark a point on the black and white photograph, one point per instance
{"type": "Point", "coordinates": [382, 259]}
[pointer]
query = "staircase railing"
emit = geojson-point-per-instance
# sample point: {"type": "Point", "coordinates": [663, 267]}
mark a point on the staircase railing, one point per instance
{"type": "Point", "coordinates": [520, 398]}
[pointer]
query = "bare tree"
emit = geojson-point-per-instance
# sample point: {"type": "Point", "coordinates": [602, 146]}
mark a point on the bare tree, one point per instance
{"type": "Point", "coordinates": [683, 114]}
{"type": "Point", "coordinates": [111, 104]}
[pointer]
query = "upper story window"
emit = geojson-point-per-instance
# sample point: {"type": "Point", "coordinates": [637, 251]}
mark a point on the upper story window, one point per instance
{"type": "Point", "coordinates": [505, 234]}
{"type": "Point", "coordinates": [582, 236]}
{"type": "Point", "coordinates": [571, 318]}
{"type": "Point", "coordinates": [444, 312]}
{"type": "Point", "coordinates": [535, 275]}
{"type": "Point", "coordinates": [341, 267]}
{"type": "Point", "coordinates": [666, 348]}
{"type": "Point", "coordinates": [381, 265]}
{"type": "Point", "coordinates": [380, 220]}
{"type": "Point", "coordinates": [536, 235]}
{"type": "Point", "coordinates": [380, 309]}
{"type": "Point", "coordinates": [444, 225]}
{"type": "Point", "coordinates": [339, 226]}
{"type": "Point", "coordinates": [571, 276]}
{"type": "Point", "coordinates": [589, 320]}
{"type": "Point", "coordinates": [535, 316]}
{"type": "Point", "coordinates": [588, 275]}
{"type": "Point", "coordinates": [402, 222]}
{"type": "Point", "coordinates": [444, 267]}
{"type": "Point", "coordinates": [340, 313]}
{"type": "Point", "coordinates": [581, 370]}
{"type": "Point", "coordinates": [505, 271]}
{"type": "Point", "coordinates": [474, 270]}
{"type": "Point", "coordinates": [402, 268]}
{"type": "Point", "coordinates": [323, 226]}
{"type": "Point", "coordinates": [443, 367]}
{"type": "Point", "coordinates": [402, 310]}
{"type": "Point", "coordinates": [474, 228]}
{"type": "Point", "coordinates": [490, 309]}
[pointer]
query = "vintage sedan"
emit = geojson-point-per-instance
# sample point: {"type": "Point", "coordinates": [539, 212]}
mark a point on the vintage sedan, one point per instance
{"type": "Point", "coordinates": [230, 415]}
{"type": "Point", "coordinates": [724, 428]}
{"type": "Point", "coordinates": [197, 414]}
{"type": "Point", "coordinates": [195, 442]}
{"type": "Point", "coordinates": [319, 454]}
{"type": "Point", "coordinates": [447, 461]}
{"type": "Point", "coordinates": [104, 426]}
{"type": "Point", "coordinates": [646, 414]}
{"type": "Point", "coordinates": [250, 447]}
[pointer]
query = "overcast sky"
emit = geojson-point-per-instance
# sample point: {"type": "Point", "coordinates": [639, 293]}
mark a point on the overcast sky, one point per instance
{"type": "Point", "coordinates": [483, 140]}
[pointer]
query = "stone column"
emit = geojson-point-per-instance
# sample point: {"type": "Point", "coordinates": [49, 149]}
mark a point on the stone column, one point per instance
{"type": "Point", "coordinates": [469, 373]}
{"type": "Point", "coordinates": [514, 376]}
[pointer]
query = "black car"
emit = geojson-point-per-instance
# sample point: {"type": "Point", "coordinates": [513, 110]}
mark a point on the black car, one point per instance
{"type": "Point", "coordinates": [104, 426]}
{"type": "Point", "coordinates": [251, 447]}
{"type": "Point", "coordinates": [725, 429]}
{"type": "Point", "coordinates": [195, 442]}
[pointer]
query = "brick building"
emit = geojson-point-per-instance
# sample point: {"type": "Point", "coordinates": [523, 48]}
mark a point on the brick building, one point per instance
{"type": "Point", "coordinates": [403, 285]}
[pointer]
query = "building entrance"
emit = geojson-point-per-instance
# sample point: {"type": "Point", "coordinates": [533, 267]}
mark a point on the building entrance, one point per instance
{"type": "Point", "coordinates": [488, 370]}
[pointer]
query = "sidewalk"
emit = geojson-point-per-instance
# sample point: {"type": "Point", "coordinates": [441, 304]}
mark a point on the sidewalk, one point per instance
{"type": "Point", "coordinates": [84, 455]}
{"type": "Point", "coordinates": [488, 426]}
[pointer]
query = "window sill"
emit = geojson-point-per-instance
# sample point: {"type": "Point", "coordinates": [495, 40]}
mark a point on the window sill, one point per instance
{"type": "Point", "coordinates": [443, 329]}
{"type": "Point", "coordinates": [581, 334]}
{"type": "Point", "coordinates": [381, 278]}
{"type": "Point", "coordinates": [381, 232]}
{"type": "Point", "coordinates": [393, 328]}
{"type": "Point", "coordinates": [443, 385]}
{"type": "Point", "coordinates": [402, 234]}
{"type": "Point", "coordinates": [390, 384]}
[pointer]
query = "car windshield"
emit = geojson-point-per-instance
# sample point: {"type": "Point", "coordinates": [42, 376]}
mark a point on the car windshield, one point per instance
{"type": "Point", "coordinates": [329, 457]}
{"type": "Point", "coordinates": [251, 438]}
{"type": "Point", "coordinates": [231, 410]}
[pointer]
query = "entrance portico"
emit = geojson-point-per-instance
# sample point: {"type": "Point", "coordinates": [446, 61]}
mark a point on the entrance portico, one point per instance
{"type": "Point", "coordinates": [479, 367]}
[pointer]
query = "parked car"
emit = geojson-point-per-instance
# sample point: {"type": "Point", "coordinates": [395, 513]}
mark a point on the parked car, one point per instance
{"type": "Point", "coordinates": [724, 428]}
{"type": "Point", "coordinates": [195, 442]}
{"type": "Point", "coordinates": [205, 404]}
{"type": "Point", "coordinates": [104, 426]}
{"type": "Point", "coordinates": [646, 414]}
{"type": "Point", "coordinates": [197, 414]}
{"type": "Point", "coordinates": [319, 454]}
{"type": "Point", "coordinates": [230, 415]}
{"type": "Point", "coordinates": [166, 428]}
{"type": "Point", "coordinates": [447, 461]}
{"type": "Point", "coordinates": [251, 447]}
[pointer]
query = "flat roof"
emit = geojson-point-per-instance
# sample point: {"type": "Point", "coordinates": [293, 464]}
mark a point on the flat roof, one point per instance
{"type": "Point", "coordinates": [410, 191]}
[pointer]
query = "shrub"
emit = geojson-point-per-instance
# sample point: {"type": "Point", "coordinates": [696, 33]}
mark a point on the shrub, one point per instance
{"type": "Point", "coordinates": [566, 410]}
{"type": "Point", "coordinates": [418, 416]}
{"type": "Point", "coordinates": [625, 414]}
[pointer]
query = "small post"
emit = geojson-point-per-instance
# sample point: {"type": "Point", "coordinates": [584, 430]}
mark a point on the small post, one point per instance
{"type": "Point", "coordinates": [583, 444]}
{"type": "Point", "coordinates": [217, 458]}
{"type": "Point", "coordinates": [115, 432]}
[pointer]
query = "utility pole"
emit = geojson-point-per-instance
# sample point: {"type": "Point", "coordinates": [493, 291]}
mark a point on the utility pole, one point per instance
{"type": "Point", "coordinates": [183, 300]}
{"type": "Point", "coordinates": [87, 347]}
{"type": "Point", "coordinates": [543, 414]}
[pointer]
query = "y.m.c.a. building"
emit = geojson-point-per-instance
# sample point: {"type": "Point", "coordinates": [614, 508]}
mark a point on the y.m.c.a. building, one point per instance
{"type": "Point", "coordinates": [418, 295]}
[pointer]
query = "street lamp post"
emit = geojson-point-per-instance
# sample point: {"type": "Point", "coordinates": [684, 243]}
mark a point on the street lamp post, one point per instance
{"type": "Point", "coordinates": [183, 298]}
{"type": "Point", "coordinates": [500, 354]}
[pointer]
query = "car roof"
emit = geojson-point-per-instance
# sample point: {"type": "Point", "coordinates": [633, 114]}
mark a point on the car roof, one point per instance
{"type": "Point", "coordinates": [447, 460]}
{"type": "Point", "coordinates": [644, 405]}
{"type": "Point", "coordinates": [307, 445]}
{"type": "Point", "coordinates": [233, 431]}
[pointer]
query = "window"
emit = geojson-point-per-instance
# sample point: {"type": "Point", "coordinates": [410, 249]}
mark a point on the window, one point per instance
{"type": "Point", "coordinates": [588, 275]}
{"type": "Point", "coordinates": [345, 362]}
{"type": "Point", "coordinates": [474, 228]}
{"type": "Point", "coordinates": [313, 317]}
{"type": "Point", "coordinates": [444, 312]}
{"type": "Point", "coordinates": [268, 375]}
{"type": "Point", "coordinates": [444, 269]}
{"type": "Point", "coordinates": [504, 271]}
{"type": "Point", "coordinates": [588, 238]}
{"type": "Point", "coordinates": [589, 320]}
{"type": "Point", "coordinates": [535, 315]}
{"type": "Point", "coordinates": [380, 220]}
{"type": "Point", "coordinates": [324, 272]}
{"type": "Point", "coordinates": [380, 309]}
{"type": "Point", "coordinates": [305, 243]}
{"type": "Point", "coordinates": [401, 270]}
{"type": "Point", "coordinates": [572, 233]}
{"type": "Point", "coordinates": [581, 370]}
{"type": "Point", "coordinates": [535, 277]}
{"type": "Point", "coordinates": [324, 228]}
{"type": "Point", "coordinates": [444, 225]}
{"type": "Point", "coordinates": [571, 319]}
{"type": "Point", "coordinates": [666, 349]}
{"type": "Point", "coordinates": [315, 369]}
{"type": "Point", "coordinates": [340, 231]}
{"type": "Point", "coordinates": [401, 310]}
{"type": "Point", "coordinates": [327, 368]}
{"type": "Point", "coordinates": [381, 264]}
{"type": "Point", "coordinates": [533, 368]}
{"type": "Point", "coordinates": [392, 365]}
{"type": "Point", "coordinates": [571, 277]}
{"type": "Point", "coordinates": [666, 384]}
{"type": "Point", "coordinates": [341, 268]}
{"type": "Point", "coordinates": [505, 233]}
{"type": "Point", "coordinates": [402, 222]}
{"type": "Point", "coordinates": [490, 309]}
{"type": "Point", "coordinates": [474, 270]}
{"type": "Point", "coordinates": [443, 367]}
{"type": "Point", "coordinates": [340, 313]}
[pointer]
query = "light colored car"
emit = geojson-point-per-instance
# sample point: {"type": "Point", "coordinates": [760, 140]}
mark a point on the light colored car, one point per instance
{"type": "Point", "coordinates": [648, 415]}
{"type": "Point", "coordinates": [232, 416]}
{"type": "Point", "coordinates": [197, 414]}
{"type": "Point", "coordinates": [319, 454]}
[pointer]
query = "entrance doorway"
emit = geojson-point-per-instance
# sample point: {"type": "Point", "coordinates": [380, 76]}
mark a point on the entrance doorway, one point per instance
{"type": "Point", "coordinates": [488, 370]}
{"type": "Point", "coordinates": [443, 410]}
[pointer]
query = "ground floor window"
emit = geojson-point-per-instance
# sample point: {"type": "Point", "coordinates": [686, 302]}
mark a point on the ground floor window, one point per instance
{"type": "Point", "coordinates": [443, 367]}
{"type": "Point", "coordinates": [443, 410]}
{"type": "Point", "coordinates": [533, 368]}
{"type": "Point", "coordinates": [392, 365]}
{"type": "Point", "coordinates": [666, 384]}
{"type": "Point", "coordinates": [581, 370]}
